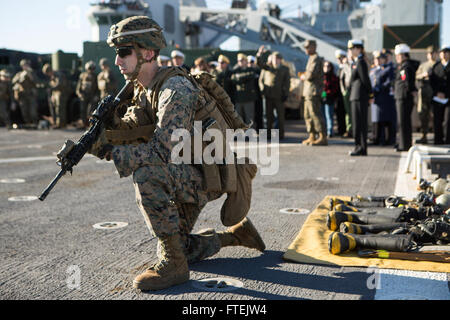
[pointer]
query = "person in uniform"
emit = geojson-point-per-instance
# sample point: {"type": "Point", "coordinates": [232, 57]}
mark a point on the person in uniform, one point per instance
{"type": "Point", "coordinates": [222, 75]}
{"type": "Point", "coordinates": [106, 82]}
{"type": "Point", "coordinates": [404, 92]}
{"type": "Point", "coordinates": [275, 82]}
{"type": "Point", "coordinates": [58, 95]}
{"type": "Point", "coordinates": [382, 77]}
{"type": "Point", "coordinates": [440, 82]}
{"type": "Point", "coordinates": [164, 61]}
{"type": "Point", "coordinates": [87, 91]}
{"type": "Point", "coordinates": [178, 59]}
{"type": "Point", "coordinates": [425, 92]}
{"type": "Point", "coordinates": [243, 79]}
{"type": "Point", "coordinates": [5, 97]}
{"type": "Point", "coordinates": [360, 96]}
{"type": "Point", "coordinates": [169, 195]}
{"type": "Point", "coordinates": [312, 91]}
{"type": "Point", "coordinates": [344, 76]}
{"type": "Point", "coordinates": [25, 93]}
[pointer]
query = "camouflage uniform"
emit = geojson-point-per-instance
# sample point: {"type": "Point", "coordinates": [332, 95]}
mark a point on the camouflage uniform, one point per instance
{"type": "Point", "coordinates": [25, 93]}
{"type": "Point", "coordinates": [106, 83]}
{"type": "Point", "coordinates": [170, 196]}
{"type": "Point", "coordinates": [58, 97]}
{"type": "Point", "coordinates": [87, 91]}
{"type": "Point", "coordinates": [5, 98]}
{"type": "Point", "coordinates": [139, 140]}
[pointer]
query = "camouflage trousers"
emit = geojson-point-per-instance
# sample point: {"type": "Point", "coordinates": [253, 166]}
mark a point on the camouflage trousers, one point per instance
{"type": "Point", "coordinates": [29, 108]}
{"type": "Point", "coordinates": [171, 197]}
{"type": "Point", "coordinates": [314, 119]}
{"type": "Point", "coordinates": [87, 106]}
{"type": "Point", "coordinates": [58, 109]}
{"type": "Point", "coordinates": [4, 114]}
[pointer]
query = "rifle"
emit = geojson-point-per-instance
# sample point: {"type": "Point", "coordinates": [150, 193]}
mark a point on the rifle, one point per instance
{"type": "Point", "coordinates": [72, 153]}
{"type": "Point", "coordinates": [436, 256]}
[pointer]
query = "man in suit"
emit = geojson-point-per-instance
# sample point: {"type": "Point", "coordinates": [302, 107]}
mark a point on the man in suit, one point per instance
{"type": "Point", "coordinates": [440, 82]}
{"type": "Point", "coordinates": [361, 96]}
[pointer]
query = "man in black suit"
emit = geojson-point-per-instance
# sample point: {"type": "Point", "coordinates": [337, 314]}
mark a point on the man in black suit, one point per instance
{"type": "Point", "coordinates": [404, 92]}
{"type": "Point", "coordinates": [360, 96]}
{"type": "Point", "coordinates": [440, 82]}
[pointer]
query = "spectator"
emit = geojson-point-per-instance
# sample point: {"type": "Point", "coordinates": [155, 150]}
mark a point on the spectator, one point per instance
{"type": "Point", "coordinates": [274, 83]}
{"type": "Point", "coordinates": [384, 112]}
{"type": "Point", "coordinates": [425, 93]}
{"type": "Point", "coordinates": [164, 61]}
{"type": "Point", "coordinates": [360, 96]}
{"type": "Point", "coordinates": [440, 82]}
{"type": "Point", "coordinates": [25, 93]}
{"type": "Point", "coordinates": [222, 75]}
{"type": "Point", "coordinates": [405, 90]}
{"type": "Point", "coordinates": [178, 59]}
{"type": "Point", "coordinates": [200, 65]}
{"type": "Point", "coordinates": [5, 98]}
{"type": "Point", "coordinates": [344, 75]}
{"type": "Point", "coordinates": [87, 91]}
{"type": "Point", "coordinates": [243, 79]}
{"type": "Point", "coordinates": [312, 90]}
{"type": "Point", "coordinates": [329, 95]}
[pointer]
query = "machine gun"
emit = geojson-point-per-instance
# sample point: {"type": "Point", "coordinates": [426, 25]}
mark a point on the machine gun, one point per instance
{"type": "Point", "coordinates": [72, 153]}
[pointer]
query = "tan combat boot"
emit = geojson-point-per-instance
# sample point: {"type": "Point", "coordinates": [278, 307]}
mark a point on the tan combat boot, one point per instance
{"type": "Point", "coordinates": [242, 234]}
{"type": "Point", "coordinates": [172, 269]}
{"type": "Point", "coordinates": [310, 139]}
{"type": "Point", "coordinates": [321, 141]}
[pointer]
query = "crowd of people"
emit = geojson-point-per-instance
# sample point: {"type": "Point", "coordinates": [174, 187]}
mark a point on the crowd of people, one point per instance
{"type": "Point", "coordinates": [22, 90]}
{"type": "Point", "coordinates": [389, 88]}
{"type": "Point", "coordinates": [337, 101]}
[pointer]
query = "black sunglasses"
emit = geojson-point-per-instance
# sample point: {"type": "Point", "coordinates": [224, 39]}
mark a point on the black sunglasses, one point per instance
{"type": "Point", "coordinates": [124, 51]}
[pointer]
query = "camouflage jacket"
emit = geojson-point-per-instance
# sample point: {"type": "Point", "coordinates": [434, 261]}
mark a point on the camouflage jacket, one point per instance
{"type": "Point", "coordinates": [5, 90]}
{"type": "Point", "coordinates": [106, 83]}
{"type": "Point", "coordinates": [58, 83]}
{"type": "Point", "coordinates": [24, 82]}
{"type": "Point", "coordinates": [87, 86]}
{"type": "Point", "coordinates": [177, 103]}
{"type": "Point", "coordinates": [313, 85]}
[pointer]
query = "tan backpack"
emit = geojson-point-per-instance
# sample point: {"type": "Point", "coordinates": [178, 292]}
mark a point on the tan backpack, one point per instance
{"type": "Point", "coordinates": [233, 179]}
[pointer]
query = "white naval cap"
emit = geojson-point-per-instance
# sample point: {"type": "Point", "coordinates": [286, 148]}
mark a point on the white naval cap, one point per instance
{"type": "Point", "coordinates": [445, 48]}
{"type": "Point", "coordinates": [340, 53]}
{"type": "Point", "coordinates": [355, 42]}
{"type": "Point", "coordinates": [163, 58]}
{"type": "Point", "coordinates": [402, 48]}
{"type": "Point", "coordinates": [251, 59]}
{"type": "Point", "coordinates": [177, 53]}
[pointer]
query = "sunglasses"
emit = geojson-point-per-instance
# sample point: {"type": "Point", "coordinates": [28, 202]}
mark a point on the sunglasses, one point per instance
{"type": "Point", "coordinates": [124, 51]}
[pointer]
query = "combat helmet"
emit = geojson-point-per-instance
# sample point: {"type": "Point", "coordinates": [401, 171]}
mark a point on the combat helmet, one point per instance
{"type": "Point", "coordinates": [25, 62]}
{"type": "Point", "coordinates": [5, 73]}
{"type": "Point", "coordinates": [89, 65]}
{"type": "Point", "coordinates": [139, 31]}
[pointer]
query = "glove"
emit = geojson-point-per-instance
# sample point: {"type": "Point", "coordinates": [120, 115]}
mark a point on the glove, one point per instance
{"type": "Point", "coordinates": [105, 152]}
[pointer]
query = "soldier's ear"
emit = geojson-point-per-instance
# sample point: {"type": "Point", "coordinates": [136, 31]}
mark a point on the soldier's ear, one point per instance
{"type": "Point", "coordinates": [148, 54]}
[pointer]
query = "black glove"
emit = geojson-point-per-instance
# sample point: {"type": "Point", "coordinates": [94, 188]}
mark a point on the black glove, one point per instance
{"type": "Point", "coordinates": [105, 152]}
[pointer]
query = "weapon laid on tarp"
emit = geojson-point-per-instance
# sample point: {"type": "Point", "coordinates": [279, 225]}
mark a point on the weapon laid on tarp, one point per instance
{"type": "Point", "coordinates": [72, 153]}
{"type": "Point", "coordinates": [435, 256]}
{"type": "Point", "coordinates": [405, 237]}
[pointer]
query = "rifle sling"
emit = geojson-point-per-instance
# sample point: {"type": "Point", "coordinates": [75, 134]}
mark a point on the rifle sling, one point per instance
{"type": "Point", "coordinates": [131, 134]}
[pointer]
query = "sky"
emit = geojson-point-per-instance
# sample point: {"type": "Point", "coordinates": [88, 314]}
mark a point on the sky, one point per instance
{"type": "Point", "coordinates": [45, 26]}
